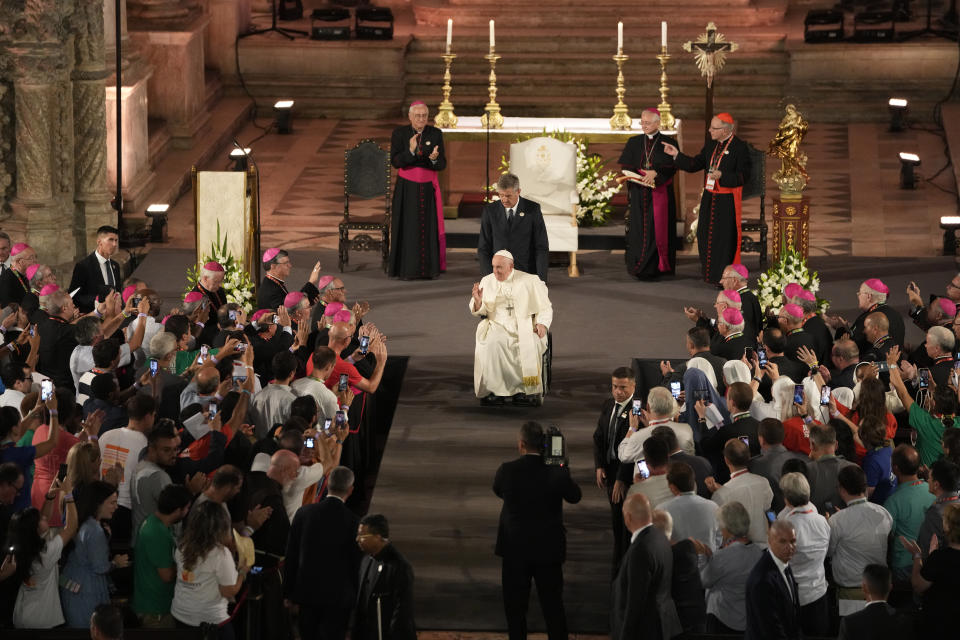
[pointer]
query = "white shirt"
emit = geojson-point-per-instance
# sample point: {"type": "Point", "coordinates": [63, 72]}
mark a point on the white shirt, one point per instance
{"type": "Point", "coordinates": [38, 600]}
{"type": "Point", "coordinates": [293, 492]}
{"type": "Point", "coordinates": [122, 446]}
{"type": "Point", "coordinates": [858, 537]}
{"type": "Point", "coordinates": [326, 399]}
{"type": "Point", "coordinates": [813, 539]}
{"type": "Point", "coordinates": [104, 267]}
{"type": "Point", "coordinates": [631, 449]}
{"type": "Point", "coordinates": [196, 596]}
{"type": "Point", "coordinates": [755, 494]}
{"type": "Point", "coordinates": [655, 488]}
{"type": "Point", "coordinates": [12, 398]}
{"type": "Point", "coordinates": [81, 361]}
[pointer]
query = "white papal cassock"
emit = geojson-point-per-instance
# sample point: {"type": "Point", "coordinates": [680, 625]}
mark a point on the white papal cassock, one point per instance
{"type": "Point", "coordinates": [509, 354]}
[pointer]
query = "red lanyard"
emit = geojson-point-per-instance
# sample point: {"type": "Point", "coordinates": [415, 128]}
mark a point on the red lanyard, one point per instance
{"type": "Point", "coordinates": [717, 158]}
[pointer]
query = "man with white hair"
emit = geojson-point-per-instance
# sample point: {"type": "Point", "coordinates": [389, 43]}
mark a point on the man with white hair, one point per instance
{"type": "Point", "coordinates": [871, 296]}
{"type": "Point", "coordinates": [936, 354]}
{"type": "Point", "coordinates": [661, 411]}
{"type": "Point", "coordinates": [13, 281]}
{"type": "Point", "coordinates": [813, 323]}
{"type": "Point", "coordinates": [418, 244]}
{"type": "Point", "coordinates": [209, 284]}
{"type": "Point", "coordinates": [512, 335]}
{"type": "Point", "coordinates": [790, 320]}
{"type": "Point", "coordinates": [57, 337]}
{"type": "Point", "coordinates": [736, 278]}
{"type": "Point", "coordinates": [732, 341]}
{"type": "Point", "coordinates": [940, 311]}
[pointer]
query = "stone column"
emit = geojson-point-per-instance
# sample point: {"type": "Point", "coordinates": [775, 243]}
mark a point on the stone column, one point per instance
{"type": "Point", "coordinates": [138, 174]}
{"type": "Point", "coordinates": [43, 104]}
{"type": "Point", "coordinates": [227, 19]}
{"type": "Point", "coordinates": [90, 122]}
{"type": "Point", "coordinates": [156, 14]}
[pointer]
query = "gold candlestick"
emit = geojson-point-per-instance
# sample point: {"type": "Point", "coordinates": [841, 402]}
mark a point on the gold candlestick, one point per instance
{"type": "Point", "coordinates": [446, 119]}
{"type": "Point", "coordinates": [621, 120]}
{"type": "Point", "coordinates": [667, 121]}
{"type": "Point", "coordinates": [492, 117]}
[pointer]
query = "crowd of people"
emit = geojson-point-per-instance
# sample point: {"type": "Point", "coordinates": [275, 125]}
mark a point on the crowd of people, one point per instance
{"type": "Point", "coordinates": [180, 459]}
{"type": "Point", "coordinates": [794, 471]}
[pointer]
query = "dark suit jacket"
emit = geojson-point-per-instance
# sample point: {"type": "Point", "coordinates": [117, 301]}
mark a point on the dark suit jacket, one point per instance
{"type": "Point", "coordinates": [876, 622]}
{"type": "Point", "coordinates": [525, 237]}
{"type": "Point", "coordinates": [843, 378]}
{"type": "Point", "coordinates": [687, 589]}
{"type": "Point", "coordinates": [531, 520]}
{"type": "Point", "coordinates": [214, 300]}
{"type": "Point", "coordinates": [701, 469]}
{"type": "Point", "coordinates": [822, 337]}
{"type": "Point", "coordinates": [713, 440]}
{"type": "Point", "coordinates": [88, 277]}
{"type": "Point", "coordinates": [823, 480]}
{"type": "Point", "coordinates": [894, 318]}
{"type": "Point", "coordinates": [57, 341]}
{"type": "Point", "coordinates": [769, 464]}
{"type": "Point", "coordinates": [601, 444]}
{"type": "Point", "coordinates": [716, 362]}
{"type": "Point", "coordinates": [643, 608]}
{"type": "Point", "coordinates": [752, 314]}
{"type": "Point", "coordinates": [771, 613]}
{"type": "Point", "coordinates": [323, 542]}
{"type": "Point", "coordinates": [270, 294]}
{"type": "Point", "coordinates": [13, 287]}
{"type": "Point", "coordinates": [795, 340]}
{"type": "Point", "coordinates": [387, 578]}
{"type": "Point", "coordinates": [731, 348]}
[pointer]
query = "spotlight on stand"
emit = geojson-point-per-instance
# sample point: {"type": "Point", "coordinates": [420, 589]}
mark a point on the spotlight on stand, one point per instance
{"type": "Point", "coordinates": [158, 222]}
{"type": "Point", "coordinates": [898, 114]}
{"type": "Point", "coordinates": [283, 116]}
{"type": "Point", "coordinates": [908, 180]}
{"type": "Point", "coordinates": [949, 224]}
{"type": "Point", "coordinates": [239, 159]}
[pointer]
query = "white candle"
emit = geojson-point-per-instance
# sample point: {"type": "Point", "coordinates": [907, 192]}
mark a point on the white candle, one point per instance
{"type": "Point", "coordinates": [493, 41]}
{"type": "Point", "coordinates": [619, 37]}
{"type": "Point", "coordinates": [663, 33]}
{"type": "Point", "coordinates": [449, 33]}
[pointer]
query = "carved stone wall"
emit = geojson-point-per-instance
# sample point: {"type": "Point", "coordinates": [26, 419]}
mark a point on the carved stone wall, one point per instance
{"type": "Point", "coordinates": [53, 125]}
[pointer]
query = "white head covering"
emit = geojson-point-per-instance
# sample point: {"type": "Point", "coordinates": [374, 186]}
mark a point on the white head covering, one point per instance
{"type": "Point", "coordinates": [736, 371]}
{"type": "Point", "coordinates": [504, 253]}
{"type": "Point", "coordinates": [703, 365]}
{"type": "Point", "coordinates": [843, 395]}
{"type": "Point", "coordinates": [816, 410]}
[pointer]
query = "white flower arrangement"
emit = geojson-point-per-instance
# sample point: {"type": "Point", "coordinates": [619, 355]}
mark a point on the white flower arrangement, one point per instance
{"type": "Point", "coordinates": [237, 284]}
{"type": "Point", "coordinates": [791, 268]}
{"type": "Point", "coordinates": [595, 188]}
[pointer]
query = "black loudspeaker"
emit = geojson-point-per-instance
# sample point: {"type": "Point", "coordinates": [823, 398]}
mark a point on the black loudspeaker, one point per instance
{"type": "Point", "coordinates": [874, 26]}
{"type": "Point", "coordinates": [823, 25]}
{"type": "Point", "coordinates": [330, 24]}
{"type": "Point", "coordinates": [374, 23]}
{"type": "Point", "coordinates": [289, 9]}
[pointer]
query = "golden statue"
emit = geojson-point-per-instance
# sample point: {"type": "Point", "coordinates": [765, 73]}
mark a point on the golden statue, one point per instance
{"type": "Point", "coordinates": [792, 176]}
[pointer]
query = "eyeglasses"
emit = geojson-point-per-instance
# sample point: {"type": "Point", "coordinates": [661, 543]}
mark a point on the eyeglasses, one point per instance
{"type": "Point", "coordinates": [337, 288]}
{"type": "Point", "coordinates": [716, 128]}
{"type": "Point", "coordinates": [281, 263]}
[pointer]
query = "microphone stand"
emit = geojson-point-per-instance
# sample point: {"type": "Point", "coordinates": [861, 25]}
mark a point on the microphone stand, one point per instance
{"type": "Point", "coordinates": [287, 33]}
{"type": "Point", "coordinates": [256, 236]}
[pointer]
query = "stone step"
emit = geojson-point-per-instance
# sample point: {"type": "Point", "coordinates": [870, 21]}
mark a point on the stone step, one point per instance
{"type": "Point", "coordinates": [532, 14]}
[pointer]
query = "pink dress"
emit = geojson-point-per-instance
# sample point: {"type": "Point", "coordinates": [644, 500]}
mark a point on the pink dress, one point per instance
{"type": "Point", "coordinates": [46, 468]}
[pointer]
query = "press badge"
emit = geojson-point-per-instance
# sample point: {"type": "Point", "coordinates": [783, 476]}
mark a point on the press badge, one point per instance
{"type": "Point", "coordinates": [711, 182]}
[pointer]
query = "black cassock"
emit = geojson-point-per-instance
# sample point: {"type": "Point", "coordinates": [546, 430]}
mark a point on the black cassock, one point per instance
{"type": "Point", "coordinates": [643, 256]}
{"type": "Point", "coordinates": [718, 229]}
{"type": "Point", "coordinates": [417, 240]}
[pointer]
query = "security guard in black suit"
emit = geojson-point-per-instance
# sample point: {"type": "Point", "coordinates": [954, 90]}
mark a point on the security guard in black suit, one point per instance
{"type": "Point", "coordinates": [531, 538]}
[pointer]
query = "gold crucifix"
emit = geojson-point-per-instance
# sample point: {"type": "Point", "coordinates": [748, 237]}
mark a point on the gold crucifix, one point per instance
{"type": "Point", "coordinates": [710, 51]}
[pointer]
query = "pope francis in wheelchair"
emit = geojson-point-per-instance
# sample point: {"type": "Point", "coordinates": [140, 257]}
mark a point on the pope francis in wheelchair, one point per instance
{"type": "Point", "coordinates": [512, 357]}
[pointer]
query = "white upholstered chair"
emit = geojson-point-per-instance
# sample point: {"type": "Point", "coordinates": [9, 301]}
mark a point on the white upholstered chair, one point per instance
{"type": "Point", "coordinates": [547, 169]}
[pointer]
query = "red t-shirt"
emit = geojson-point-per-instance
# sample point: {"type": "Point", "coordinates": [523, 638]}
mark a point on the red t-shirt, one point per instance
{"type": "Point", "coordinates": [796, 435]}
{"type": "Point", "coordinates": [353, 376]}
{"type": "Point", "coordinates": [855, 419]}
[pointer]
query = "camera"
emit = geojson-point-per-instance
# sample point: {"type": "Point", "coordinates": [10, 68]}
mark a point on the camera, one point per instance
{"type": "Point", "coordinates": [154, 366]}
{"type": "Point", "coordinates": [762, 357]}
{"type": "Point", "coordinates": [642, 469]}
{"type": "Point", "coordinates": [555, 447]}
{"type": "Point", "coordinates": [343, 383]}
{"type": "Point", "coordinates": [675, 389]}
{"type": "Point", "coordinates": [637, 405]}
{"type": "Point", "coordinates": [923, 378]}
{"type": "Point", "coordinates": [364, 344]}
{"type": "Point", "coordinates": [46, 390]}
{"type": "Point", "coordinates": [824, 395]}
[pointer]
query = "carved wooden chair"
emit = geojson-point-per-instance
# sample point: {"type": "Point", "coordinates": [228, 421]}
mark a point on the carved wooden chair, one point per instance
{"type": "Point", "coordinates": [366, 176]}
{"type": "Point", "coordinates": [755, 186]}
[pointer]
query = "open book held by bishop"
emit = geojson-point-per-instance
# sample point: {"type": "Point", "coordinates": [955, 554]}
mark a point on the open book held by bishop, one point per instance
{"type": "Point", "coordinates": [512, 335]}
